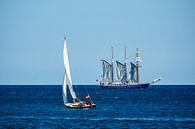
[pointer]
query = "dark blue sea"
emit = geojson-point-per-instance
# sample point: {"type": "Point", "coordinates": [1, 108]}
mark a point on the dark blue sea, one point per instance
{"type": "Point", "coordinates": [41, 107]}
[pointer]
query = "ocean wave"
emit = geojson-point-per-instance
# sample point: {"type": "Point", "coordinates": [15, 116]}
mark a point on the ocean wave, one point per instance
{"type": "Point", "coordinates": [162, 119]}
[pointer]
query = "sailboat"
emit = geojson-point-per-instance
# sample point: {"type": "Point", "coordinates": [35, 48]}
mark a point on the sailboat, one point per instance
{"type": "Point", "coordinates": [76, 102]}
{"type": "Point", "coordinates": [124, 78]}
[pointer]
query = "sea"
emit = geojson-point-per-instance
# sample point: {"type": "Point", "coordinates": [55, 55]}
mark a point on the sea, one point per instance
{"type": "Point", "coordinates": [42, 107]}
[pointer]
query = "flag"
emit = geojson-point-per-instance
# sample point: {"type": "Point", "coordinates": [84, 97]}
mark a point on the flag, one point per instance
{"type": "Point", "coordinates": [87, 97]}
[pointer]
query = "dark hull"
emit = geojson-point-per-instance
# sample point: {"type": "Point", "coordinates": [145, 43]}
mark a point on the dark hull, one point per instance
{"type": "Point", "coordinates": [123, 86]}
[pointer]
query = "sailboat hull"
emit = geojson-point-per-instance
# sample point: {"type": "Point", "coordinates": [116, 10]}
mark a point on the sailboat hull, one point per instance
{"type": "Point", "coordinates": [123, 86]}
{"type": "Point", "coordinates": [82, 104]}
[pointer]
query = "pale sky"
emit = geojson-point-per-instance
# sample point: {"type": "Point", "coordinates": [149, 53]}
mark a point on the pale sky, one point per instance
{"type": "Point", "coordinates": [32, 34]}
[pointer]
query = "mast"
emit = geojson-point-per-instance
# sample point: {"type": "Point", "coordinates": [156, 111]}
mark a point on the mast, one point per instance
{"type": "Point", "coordinates": [125, 55]}
{"type": "Point", "coordinates": [137, 61]}
{"type": "Point", "coordinates": [112, 70]}
{"type": "Point", "coordinates": [125, 63]}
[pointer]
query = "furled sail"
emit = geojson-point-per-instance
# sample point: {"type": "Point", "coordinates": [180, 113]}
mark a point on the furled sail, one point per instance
{"type": "Point", "coordinates": [121, 72]}
{"type": "Point", "coordinates": [67, 74]}
{"type": "Point", "coordinates": [138, 58]}
{"type": "Point", "coordinates": [133, 73]}
{"type": "Point", "coordinates": [107, 71]}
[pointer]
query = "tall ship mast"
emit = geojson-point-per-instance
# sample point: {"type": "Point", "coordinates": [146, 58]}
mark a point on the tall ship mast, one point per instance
{"type": "Point", "coordinates": [135, 68]}
{"type": "Point", "coordinates": [125, 78]}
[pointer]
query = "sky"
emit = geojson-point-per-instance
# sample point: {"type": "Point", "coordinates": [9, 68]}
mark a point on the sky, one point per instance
{"type": "Point", "coordinates": [32, 34]}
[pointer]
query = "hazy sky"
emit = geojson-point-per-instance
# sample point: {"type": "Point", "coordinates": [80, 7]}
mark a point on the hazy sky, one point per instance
{"type": "Point", "coordinates": [32, 34]}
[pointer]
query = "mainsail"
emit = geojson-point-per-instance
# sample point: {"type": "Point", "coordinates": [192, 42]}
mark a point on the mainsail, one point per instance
{"type": "Point", "coordinates": [64, 93]}
{"type": "Point", "coordinates": [121, 72]}
{"type": "Point", "coordinates": [107, 71]}
{"type": "Point", "coordinates": [67, 75]}
{"type": "Point", "coordinates": [134, 73]}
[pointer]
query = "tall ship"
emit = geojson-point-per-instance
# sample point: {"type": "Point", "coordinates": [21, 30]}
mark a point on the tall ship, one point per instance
{"type": "Point", "coordinates": [123, 76]}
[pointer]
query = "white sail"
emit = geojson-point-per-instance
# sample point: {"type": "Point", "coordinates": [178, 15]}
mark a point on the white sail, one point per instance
{"type": "Point", "coordinates": [134, 73]}
{"type": "Point", "coordinates": [67, 74]}
{"type": "Point", "coordinates": [121, 72]}
{"type": "Point", "coordinates": [118, 75]}
{"type": "Point", "coordinates": [64, 93]}
{"type": "Point", "coordinates": [107, 71]}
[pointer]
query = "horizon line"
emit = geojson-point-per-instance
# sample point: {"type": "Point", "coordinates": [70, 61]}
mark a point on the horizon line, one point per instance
{"type": "Point", "coordinates": [41, 84]}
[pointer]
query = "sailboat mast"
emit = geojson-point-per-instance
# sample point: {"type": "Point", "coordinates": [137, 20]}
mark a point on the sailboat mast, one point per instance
{"type": "Point", "coordinates": [112, 60]}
